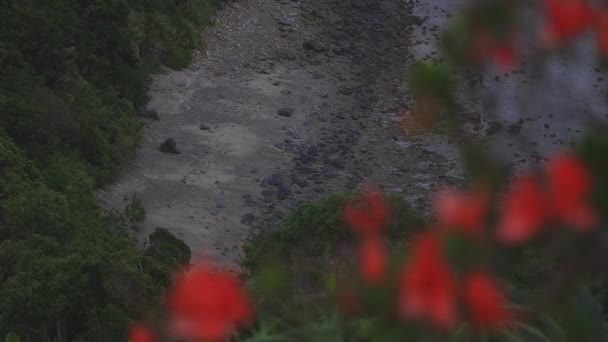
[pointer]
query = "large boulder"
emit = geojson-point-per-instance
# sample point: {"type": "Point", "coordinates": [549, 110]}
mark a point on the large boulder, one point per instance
{"type": "Point", "coordinates": [169, 146]}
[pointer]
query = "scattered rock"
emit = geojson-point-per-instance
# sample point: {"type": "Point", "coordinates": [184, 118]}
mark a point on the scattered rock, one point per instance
{"type": "Point", "coordinates": [286, 92]}
{"type": "Point", "coordinates": [274, 179]}
{"type": "Point", "coordinates": [345, 91]}
{"type": "Point", "coordinates": [493, 127]}
{"type": "Point", "coordinates": [314, 45]}
{"type": "Point", "coordinates": [285, 112]}
{"type": "Point", "coordinates": [148, 114]}
{"type": "Point", "coordinates": [283, 192]}
{"type": "Point", "coordinates": [204, 127]}
{"type": "Point", "coordinates": [247, 219]}
{"type": "Point", "coordinates": [472, 117]}
{"type": "Point", "coordinates": [515, 128]}
{"type": "Point", "coordinates": [302, 183]}
{"type": "Point", "coordinates": [169, 146]}
{"type": "Point", "coordinates": [285, 22]}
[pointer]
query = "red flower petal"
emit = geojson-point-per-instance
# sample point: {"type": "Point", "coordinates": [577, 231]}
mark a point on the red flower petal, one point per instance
{"type": "Point", "coordinates": [601, 30]}
{"type": "Point", "coordinates": [568, 18]}
{"type": "Point", "coordinates": [485, 301]}
{"type": "Point", "coordinates": [523, 212]}
{"type": "Point", "coordinates": [140, 333]}
{"type": "Point", "coordinates": [505, 57]}
{"type": "Point", "coordinates": [206, 304]}
{"type": "Point", "coordinates": [368, 216]}
{"type": "Point", "coordinates": [428, 288]}
{"type": "Point", "coordinates": [372, 260]}
{"type": "Point", "coordinates": [570, 190]}
{"type": "Point", "coordinates": [465, 212]}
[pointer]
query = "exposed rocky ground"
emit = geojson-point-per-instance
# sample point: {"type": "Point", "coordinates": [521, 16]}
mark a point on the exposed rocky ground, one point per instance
{"type": "Point", "coordinates": [289, 102]}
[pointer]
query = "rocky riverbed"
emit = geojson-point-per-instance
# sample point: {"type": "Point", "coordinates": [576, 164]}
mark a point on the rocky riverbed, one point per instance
{"type": "Point", "coordinates": [291, 100]}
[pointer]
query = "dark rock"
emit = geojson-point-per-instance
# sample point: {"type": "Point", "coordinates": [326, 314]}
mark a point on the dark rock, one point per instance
{"type": "Point", "coordinates": [493, 127]}
{"type": "Point", "coordinates": [335, 163]}
{"type": "Point", "coordinates": [204, 127]}
{"type": "Point", "coordinates": [312, 150]}
{"type": "Point", "coordinates": [148, 114]}
{"type": "Point", "coordinates": [514, 128]}
{"type": "Point", "coordinates": [274, 179]}
{"type": "Point", "coordinates": [302, 183]}
{"type": "Point", "coordinates": [346, 91]}
{"type": "Point", "coordinates": [314, 45]}
{"type": "Point", "coordinates": [472, 117]}
{"type": "Point", "coordinates": [169, 146]}
{"type": "Point", "coordinates": [286, 92]}
{"type": "Point", "coordinates": [285, 112]}
{"type": "Point", "coordinates": [285, 22]}
{"type": "Point", "coordinates": [267, 193]}
{"type": "Point", "coordinates": [284, 192]}
{"type": "Point", "coordinates": [247, 218]}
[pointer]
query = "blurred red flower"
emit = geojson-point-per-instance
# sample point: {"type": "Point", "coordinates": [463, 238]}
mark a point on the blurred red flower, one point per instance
{"type": "Point", "coordinates": [462, 211]}
{"type": "Point", "coordinates": [505, 57]}
{"type": "Point", "coordinates": [485, 301]}
{"type": "Point", "coordinates": [206, 304]}
{"type": "Point", "coordinates": [566, 199]}
{"type": "Point", "coordinates": [570, 187]}
{"type": "Point", "coordinates": [427, 287]}
{"type": "Point", "coordinates": [501, 52]}
{"type": "Point", "coordinates": [369, 215]}
{"type": "Point", "coordinates": [567, 18]}
{"type": "Point", "coordinates": [139, 333]}
{"type": "Point", "coordinates": [523, 211]}
{"type": "Point", "coordinates": [601, 30]}
{"type": "Point", "coordinates": [372, 260]}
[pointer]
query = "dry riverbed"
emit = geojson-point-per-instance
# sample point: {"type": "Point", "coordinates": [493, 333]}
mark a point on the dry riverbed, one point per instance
{"type": "Point", "coordinates": [290, 101]}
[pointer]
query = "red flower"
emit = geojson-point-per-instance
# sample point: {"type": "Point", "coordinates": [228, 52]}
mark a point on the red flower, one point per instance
{"type": "Point", "coordinates": [372, 260]}
{"type": "Point", "coordinates": [207, 304]}
{"type": "Point", "coordinates": [368, 216]}
{"type": "Point", "coordinates": [601, 30]}
{"type": "Point", "coordinates": [505, 57]}
{"type": "Point", "coordinates": [140, 333]}
{"type": "Point", "coordinates": [465, 212]}
{"type": "Point", "coordinates": [486, 303]}
{"type": "Point", "coordinates": [566, 198]}
{"type": "Point", "coordinates": [428, 288]}
{"type": "Point", "coordinates": [523, 212]}
{"type": "Point", "coordinates": [567, 18]}
{"type": "Point", "coordinates": [569, 192]}
{"type": "Point", "coordinates": [501, 51]}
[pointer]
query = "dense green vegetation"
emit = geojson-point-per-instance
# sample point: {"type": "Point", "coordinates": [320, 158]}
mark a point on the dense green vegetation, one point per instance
{"type": "Point", "coordinates": [73, 74]}
{"type": "Point", "coordinates": [291, 267]}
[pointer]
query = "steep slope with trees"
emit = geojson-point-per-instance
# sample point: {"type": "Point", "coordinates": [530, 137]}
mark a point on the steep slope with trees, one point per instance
{"type": "Point", "coordinates": [73, 77]}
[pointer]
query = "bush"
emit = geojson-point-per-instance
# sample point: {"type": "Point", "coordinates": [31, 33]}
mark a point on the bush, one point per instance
{"type": "Point", "coordinates": [178, 59]}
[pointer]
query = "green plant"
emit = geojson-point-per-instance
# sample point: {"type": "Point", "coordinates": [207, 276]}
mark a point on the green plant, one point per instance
{"type": "Point", "coordinates": [135, 211]}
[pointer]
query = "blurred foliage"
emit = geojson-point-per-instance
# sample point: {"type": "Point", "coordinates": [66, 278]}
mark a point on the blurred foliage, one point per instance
{"type": "Point", "coordinates": [291, 267]}
{"type": "Point", "coordinates": [72, 75]}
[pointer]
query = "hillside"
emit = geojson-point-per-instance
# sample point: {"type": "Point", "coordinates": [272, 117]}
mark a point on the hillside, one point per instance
{"type": "Point", "coordinates": [73, 77]}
